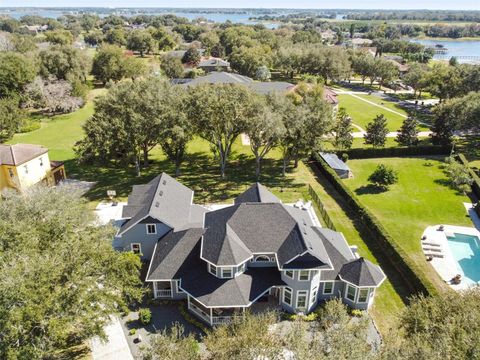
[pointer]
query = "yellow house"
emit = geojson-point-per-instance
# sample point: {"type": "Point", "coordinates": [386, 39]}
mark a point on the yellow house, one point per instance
{"type": "Point", "coordinates": [23, 165]}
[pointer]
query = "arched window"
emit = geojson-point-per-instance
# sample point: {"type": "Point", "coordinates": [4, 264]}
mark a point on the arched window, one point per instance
{"type": "Point", "coordinates": [262, 258]}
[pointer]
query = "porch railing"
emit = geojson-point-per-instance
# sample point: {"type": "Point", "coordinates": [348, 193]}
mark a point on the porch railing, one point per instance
{"type": "Point", "coordinates": [199, 312]}
{"type": "Point", "coordinates": [220, 320]}
{"type": "Point", "coordinates": [163, 293]}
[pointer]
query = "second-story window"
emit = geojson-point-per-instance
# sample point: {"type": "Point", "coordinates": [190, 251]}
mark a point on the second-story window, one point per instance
{"type": "Point", "coordinates": [289, 273]}
{"type": "Point", "coordinates": [151, 229]}
{"type": "Point", "coordinates": [212, 269]}
{"type": "Point", "coordinates": [226, 272]}
{"type": "Point", "coordinates": [304, 275]}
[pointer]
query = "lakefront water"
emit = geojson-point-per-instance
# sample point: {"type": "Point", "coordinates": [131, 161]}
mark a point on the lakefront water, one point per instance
{"type": "Point", "coordinates": [466, 51]}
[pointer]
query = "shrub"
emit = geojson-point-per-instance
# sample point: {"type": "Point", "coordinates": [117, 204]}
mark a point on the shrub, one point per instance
{"type": "Point", "coordinates": [357, 313]}
{"type": "Point", "coordinates": [30, 126]}
{"type": "Point", "coordinates": [145, 316]}
{"type": "Point", "coordinates": [132, 331]}
{"type": "Point", "coordinates": [345, 157]}
{"type": "Point", "coordinates": [367, 153]}
{"type": "Point", "coordinates": [383, 176]}
{"type": "Point", "coordinates": [476, 179]}
{"type": "Point", "coordinates": [458, 175]}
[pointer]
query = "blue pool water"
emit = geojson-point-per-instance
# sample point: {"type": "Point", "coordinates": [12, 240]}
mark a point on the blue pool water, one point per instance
{"type": "Point", "coordinates": [466, 251]}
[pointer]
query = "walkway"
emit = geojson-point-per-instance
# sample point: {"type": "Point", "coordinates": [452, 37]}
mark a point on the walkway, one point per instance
{"type": "Point", "coordinates": [116, 346]}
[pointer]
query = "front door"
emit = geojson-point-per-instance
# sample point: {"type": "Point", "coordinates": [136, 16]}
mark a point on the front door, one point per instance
{"type": "Point", "coordinates": [58, 176]}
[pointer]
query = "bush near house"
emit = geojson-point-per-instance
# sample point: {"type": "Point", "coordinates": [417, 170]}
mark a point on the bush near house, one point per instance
{"type": "Point", "coordinates": [476, 180]}
{"type": "Point", "coordinates": [144, 316]}
{"type": "Point", "coordinates": [415, 280]}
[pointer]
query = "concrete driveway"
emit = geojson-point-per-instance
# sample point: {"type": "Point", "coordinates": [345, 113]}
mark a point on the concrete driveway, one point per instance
{"type": "Point", "coordinates": [116, 346]}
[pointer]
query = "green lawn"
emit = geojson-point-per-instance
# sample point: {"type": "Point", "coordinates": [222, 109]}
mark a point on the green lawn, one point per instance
{"type": "Point", "coordinates": [362, 112]}
{"type": "Point", "coordinates": [421, 198]}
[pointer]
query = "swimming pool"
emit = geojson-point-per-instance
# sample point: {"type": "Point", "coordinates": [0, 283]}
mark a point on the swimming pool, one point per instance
{"type": "Point", "coordinates": [466, 252]}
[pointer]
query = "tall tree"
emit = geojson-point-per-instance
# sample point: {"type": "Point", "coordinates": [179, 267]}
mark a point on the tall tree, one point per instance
{"type": "Point", "coordinates": [408, 133]}
{"type": "Point", "coordinates": [343, 131]}
{"type": "Point", "coordinates": [264, 132]}
{"type": "Point", "coordinates": [177, 130]}
{"type": "Point", "coordinates": [16, 70]}
{"type": "Point", "coordinates": [416, 77]}
{"type": "Point", "coordinates": [61, 277]}
{"type": "Point", "coordinates": [65, 63]}
{"type": "Point", "coordinates": [140, 41]}
{"type": "Point", "coordinates": [221, 113]}
{"type": "Point", "coordinates": [108, 64]}
{"type": "Point", "coordinates": [126, 123]}
{"type": "Point", "coordinates": [192, 56]}
{"type": "Point", "coordinates": [172, 67]}
{"type": "Point", "coordinates": [376, 134]}
{"type": "Point", "coordinates": [11, 118]}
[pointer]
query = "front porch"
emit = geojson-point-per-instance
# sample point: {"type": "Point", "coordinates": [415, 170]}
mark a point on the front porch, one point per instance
{"type": "Point", "coordinates": [162, 289]}
{"type": "Point", "coordinates": [224, 315]}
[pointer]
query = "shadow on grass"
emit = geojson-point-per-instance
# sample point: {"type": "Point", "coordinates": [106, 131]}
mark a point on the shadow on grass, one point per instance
{"type": "Point", "coordinates": [370, 189]}
{"type": "Point", "coordinates": [199, 172]}
{"type": "Point", "coordinates": [398, 283]}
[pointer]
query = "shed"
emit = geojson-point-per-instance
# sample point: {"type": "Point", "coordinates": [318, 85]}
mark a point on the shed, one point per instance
{"type": "Point", "coordinates": [337, 165]}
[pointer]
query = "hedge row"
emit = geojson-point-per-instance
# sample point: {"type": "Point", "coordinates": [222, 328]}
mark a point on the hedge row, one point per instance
{"type": "Point", "coordinates": [397, 257]}
{"type": "Point", "coordinates": [367, 153]}
{"type": "Point", "coordinates": [476, 179]}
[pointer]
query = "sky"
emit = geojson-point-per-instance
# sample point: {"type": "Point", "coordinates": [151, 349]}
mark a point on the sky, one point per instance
{"type": "Point", "coordinates": [338, 4]}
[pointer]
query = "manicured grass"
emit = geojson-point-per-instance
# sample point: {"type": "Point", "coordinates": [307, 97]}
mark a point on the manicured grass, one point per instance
{"type": "Point", "coordinates": [421, 198]}
{"type": "Point", "coordinates": [388, 298]}
{"type": "Point", "coordinates": [59, 133]}
{"type": "Point", "coordinates": [362, 113]}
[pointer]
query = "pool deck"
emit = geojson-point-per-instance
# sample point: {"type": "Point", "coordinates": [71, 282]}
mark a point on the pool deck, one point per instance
{"type": "Point", "coordinates": [435, 243]}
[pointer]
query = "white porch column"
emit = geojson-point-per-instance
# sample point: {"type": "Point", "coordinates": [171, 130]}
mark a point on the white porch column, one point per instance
{"type": "Point", "coordinates": [211, 317]}
{"type": "Point", "coordinates": [154, 289]}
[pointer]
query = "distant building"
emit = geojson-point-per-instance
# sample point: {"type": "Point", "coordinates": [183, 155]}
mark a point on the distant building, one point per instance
{"type": "Point", "coordinates": [213, 64]}
{"type": "Point", "coordinates": [361, 42]}
{"type": "Point", "coordinates": [24, 165]}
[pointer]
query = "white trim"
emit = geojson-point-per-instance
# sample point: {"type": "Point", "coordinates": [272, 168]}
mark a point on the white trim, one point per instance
{"type": "Point", "coordinates": [300, 274]}
{"type": "Point", "coordinates": [366, 298]}
{"type": "Point", "coordinates": [354, 296]}
{"type": "Point", "coordinates": [139, 248]}
{"type": "Point", "coordinates": [364, 286]}
{"type": "Point", "coordinates": [210, 270]}
{"type": "Point", "coordinates": [301, 292]}
{"type": "Point", "coordinates": [291, 295]}
{"type": "Point", "coordinates": [313, 299]}
{"type": "Point", "coordinates": [268, 259]}
{"type": "Point", "coordinates": [140, 220]}
{"type": "Point", "coordinates": [323, 288]}
{"type": "Point", "coordinates": [154, 226]}
{"type": "Point", "coordinates": [150, 265]}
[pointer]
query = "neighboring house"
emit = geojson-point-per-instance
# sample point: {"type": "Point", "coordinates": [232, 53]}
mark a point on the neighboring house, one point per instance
{"type": "Point", "coordinates": [24, 165]}
{"type": "Point", "coordinates": [220, 77]}
{"type": "Point", "coordinates": [361, 42]}
{"type": "Point", "coordinates": [178, 54]}
{"type": "Point", "coordinates": [241, 255]}
{"type": "Point", "coordinates": [342, 169]}
{"type": "Point", "coordinates": [214, 64]}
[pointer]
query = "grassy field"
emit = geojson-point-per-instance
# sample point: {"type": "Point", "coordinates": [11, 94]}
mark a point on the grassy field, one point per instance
{"type": "Point", "coordinates": [421, 198]}
{"type": "Point", "coordinates": [362, 112]}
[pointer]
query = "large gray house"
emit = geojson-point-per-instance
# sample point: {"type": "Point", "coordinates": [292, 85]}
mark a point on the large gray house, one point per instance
{"type": "Point", "coordinates": [237, 256]}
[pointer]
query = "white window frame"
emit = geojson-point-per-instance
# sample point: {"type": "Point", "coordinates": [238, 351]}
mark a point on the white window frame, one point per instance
{"type": "Point", "coordinates": [242, 268]}
{"type": "Point", "coordinates": [148, 231]}
{"type": "Point", "coordinates": [290, 292]}
{"type": "Point", "coordinates": [177, 287]}
{"type": "Point", "coordinates": [213, 272]}
{"type": "Point", "coordinates": [263, 257]}
{"type": "Point", "coordinates": [328, 282]}
{"type": "Point", "coordinates": [293, 274]}
{"type": "Point", "coordinates": [300, 275]}
{"type": "Point", "coordinates": [313, 295]}
{"type": "Point", "coordinates": [227, 269]}
{"type": "Point", "coordinates": [299, 294]}
{"type": "Point", "coordinates": [354, 295]}
{"type": "Point", "coordinates": [366, 297]}
{"type": "Point", "coordinates": [139, 248]}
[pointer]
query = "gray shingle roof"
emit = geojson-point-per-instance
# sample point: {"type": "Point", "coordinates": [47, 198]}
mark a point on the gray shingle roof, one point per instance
{"type": "Point", "coordinates": [361, 272]}
{"type": "Point", "coordinates": [174, 254]}
{"type": "Point", "coordinates": [257, 228]}
{"type": "Point", "coordinates": [221, 77]}
{"type": "Point", "coordinates": [239, 291]}
{"type": "Point", "coordinates": [212, 62]}
{"type": "Point", "coordinates": [19, 153]}
{"type": "Point", "coordinates": [164, 199]}
{"type": "Point", "coordinates": [257, 193]}
{"type": "Point", "coordinates": [337, 249]}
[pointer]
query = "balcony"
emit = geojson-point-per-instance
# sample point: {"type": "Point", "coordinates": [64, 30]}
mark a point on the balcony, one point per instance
{"type": "Point", "coordinates": [163, 293]}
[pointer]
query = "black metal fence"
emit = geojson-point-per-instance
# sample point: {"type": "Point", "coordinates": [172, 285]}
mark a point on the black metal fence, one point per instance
{"type": "Point", "coordinates": [316, 199]}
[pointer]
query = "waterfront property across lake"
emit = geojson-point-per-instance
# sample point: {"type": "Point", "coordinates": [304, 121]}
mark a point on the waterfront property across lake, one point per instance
{"type": "Point", "coordinates": [466, 51]}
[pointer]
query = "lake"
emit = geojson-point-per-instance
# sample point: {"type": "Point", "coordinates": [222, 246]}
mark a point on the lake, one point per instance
{"type": "Point", "coordinates": [220, 17]}
{"type": "Point", "coordinates": [461, 49]}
